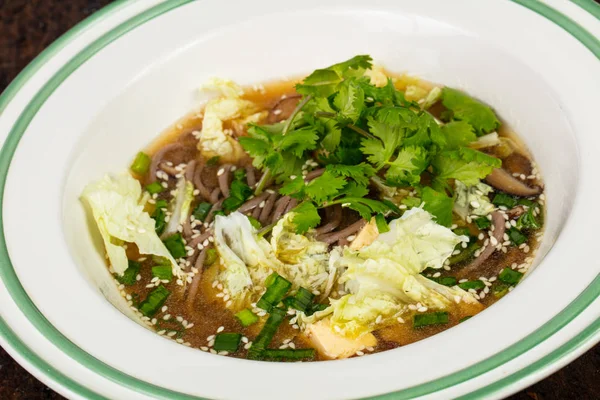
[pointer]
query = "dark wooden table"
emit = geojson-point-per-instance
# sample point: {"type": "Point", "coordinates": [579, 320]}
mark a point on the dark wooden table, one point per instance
{"type": "Point", "coordinates": [26, 28]}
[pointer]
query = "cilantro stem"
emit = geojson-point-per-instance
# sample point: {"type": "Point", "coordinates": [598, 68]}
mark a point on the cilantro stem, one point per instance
{"type": "Point", "coordinates": [267, 175]}
{"type": "Point", "coordinates": [362, 132]}
{"type": "Point", "coordinates": [266, 229]}
{"type": "Point", "coordinates": [325, 114]}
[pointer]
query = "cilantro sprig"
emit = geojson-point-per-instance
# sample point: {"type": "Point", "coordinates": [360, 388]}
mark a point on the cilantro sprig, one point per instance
{"type": "Point", "coordinates": [358, 132]}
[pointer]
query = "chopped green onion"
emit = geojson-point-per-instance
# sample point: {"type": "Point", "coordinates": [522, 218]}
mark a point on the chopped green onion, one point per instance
{"type": "Point", "coordinates": [445, 280]}
{"type": "Point", "coordinates": [227, 342]}
{"type": "Point", "coordinates": [465, 254]}
{"type": "Point", "coordinates": [201, 211]}
{"type": "Point", "coordinates": [287, 354]}
{"type": "Point", "coordinates": [155, 300]}
{"type": "Point", "coordinates": [500, 289]}
{"type": "Point", "coordinates": [315, 307]}
{"type": "Point", "coordinates": [465, 318]}
{"type": "Point", "coordinates": [510, 276]}
{"type": "Point", "coordinates": [239, 193]}
{"type": "Point", "coordinates": [154, 188]}
{"type": "Point", "coordinates": [163, 272]}
{"type": "Point", "coordinates": [302, 300]}
{"type": "Point", "coordinates": [220, 212]}
{"type": "Point", "coordinates": [503, 199]}
{"type": "Point", "coordinates": [130, 274]}
{"type": "Point", "coordinates": [211, 257]}
{"type": "Point", "coordinates": [476, 284]}
{"type": "Point", "coordinates": [141, 163]}
{"type": "Point", "coordinates": [174, 244]}
{"type": "Point", "coordinates": [528, 220]}
{"type": "Point", "coordinates": [382, 225]}
{"type": "Point", "coordinates": [246, 317]}
{"type": "Point", "coordinates": [483, 223]}
{"type": "Point", "coordinates": [213, 161]}
{"type": "Point", "coordinates": [254, 222]}
{"type": "Point", "coordinates": [263, 339]}
{"type": "Point", "coordinates": [516, 236]}
{"type": "Point", "coordinates": [270, 279]}
{"type": "Point", "coordinates": [526, 202]}
{"type": "Point", "coordinates": [435, 318]}
{"type": "Point", "coordinates": [274, 294]}
{"type": "Point", "coordinates": [159, 216]}
{"type": "Point", "coordinates": [464, 231]}
{"type": "Point", "coordinates": [159, 260]}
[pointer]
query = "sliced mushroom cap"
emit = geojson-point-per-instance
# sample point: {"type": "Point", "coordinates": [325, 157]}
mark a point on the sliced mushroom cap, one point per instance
{"type": "Point", "coordinates": [283, 109]}
{"type": "Point", "coordinates": [498, 222]}
{"type": "Point", "coordinates": [503, 180]}
{"type": "Point", "coordinates": [517, 163]}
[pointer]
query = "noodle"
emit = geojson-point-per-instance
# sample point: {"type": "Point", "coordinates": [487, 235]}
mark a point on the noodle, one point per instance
{"type": "Point", "coordinates": [204, 192]}
{"type": "Point", "coordinates": [224, 179]}
{"type": "Point", "coordinates": [344, 233]}
{"type": "Point", "coordinates": [158, 158]}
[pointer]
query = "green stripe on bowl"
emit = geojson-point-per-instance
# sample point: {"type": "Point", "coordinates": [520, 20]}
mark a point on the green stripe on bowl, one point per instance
{"type": "Point", "coordinates": [8, 275]}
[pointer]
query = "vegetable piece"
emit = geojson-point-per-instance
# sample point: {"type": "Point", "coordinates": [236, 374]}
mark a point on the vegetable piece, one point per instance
{"type": "Point", "coordinates": [516, 236]}
{"type": "Point", "coordinates": [162, 272]}
{"type": "Point", "coordinates": [239, 193]}
{"type": "Point", "coordinates": [155, 300]}
{"type": "Point", "coordinates": [211, 257]}
{"type": "Point", "coordinates": [274, 294]}
{"type": "Point", "coordinates": [466, 165]}
{"type": "Point", "coordinates": [445, 280]}
{"type": "Point", "coordinates": [439, 205]}
{"type": "Point", "coordinates": [254, 222]}
{"type": "Point", "coordinates": [465, 318]}
{"type": "Point", "coordinates": [175, 245]}
{"type": "Point", "coordinates": [482, 223]}
{"type": "Point", "coordinates": [154, 188]}
{"type": "Point", "coordinates": [180, 206]}
{"type": "Point", "coordinates": [227, 342]}
{"type": "Point", "coordinates": [465, 108]}
{"type": "Point", "coordinates": [382, 225]}
{"type": "Point", "coordinates": [201, 211]}
{"type": "Point", "coordinates": [510, 276]}
{"type": "Point", "coordinates": [305, 217]}
{"type": "Point", "coordinates": [458, 134]}
{"type": "Point", "coordinates": [130, 274]}
{"type": "Point", "coordinates": [246, 317]}
{"type": "Point", "coordinates": [288, 354]}
{"type": "Point", "coordinates": [465, 254]}
{"type": "Point", "coordinates": [263, 339]}
{"type": "Point", "coordinates": [302, 300]}
{"type": "Point", "coordinates": [436, 318]}
{"type": "Point", "coordinates": [476, 284]}
{"type": "Point", "coordinates": [528, 220]}
{"type": "Point", "coordinates": [159, 216]}
{"type": "Point", "coordinates": [472, 200]}
{"type": "Point", "coordinates": [116, 204]}
{"type": "Point", "coordinates": [141, 163]}
{"type": "Point", "coordinates": [500, 290]}
{"type": "Point", "coordinates": [503, 199]}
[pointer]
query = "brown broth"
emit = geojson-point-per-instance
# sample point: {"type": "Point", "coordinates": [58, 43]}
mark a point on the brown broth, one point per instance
{"type": "Point", "coordinates": [207, 312]}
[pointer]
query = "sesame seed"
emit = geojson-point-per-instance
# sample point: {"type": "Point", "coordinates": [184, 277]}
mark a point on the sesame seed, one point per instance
{"type": "Point", "coordinates": [360, 353]}
{"type": "Point", "coordinates": [172, 333]}
{"type": "Point", "coordinates": [220, 329]}
{"type": "Point", "coordinates": [220, 172]}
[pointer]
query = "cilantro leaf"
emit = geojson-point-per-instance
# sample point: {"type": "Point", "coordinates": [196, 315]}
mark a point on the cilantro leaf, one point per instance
{"type": "Point", "coordinates": [238, 194]}
{"type": "Point", "coordinates": [294, 188]}
{"type": "Point", "coordinates": [305, 217]}
{"type": "Point", "coordinates": [325, 187]}
{"type": "Point", "coordinates": [438, 204]}
{"type": "Point", "coordinates": [466, 165]}
{"type": "Point", "coordinates": [324, 82]}
{"type": "Point", "coordinates": [321, 83]}
{"type": "Point", "coordinates": [365, 207]}
{"type": "Point", "coordinates": [360, 173]}
{"type": "Point", "coordinates": [458, 134]}
{"type": "Point", "coordinates": [380, 151]}
{"type": "Point", "coordinates": [408, 166]}
{"type": "Point", "coordinates": [354, 189]}
{"type": "Point", "coordinates": [354, 67]}
{"type": "Point", "coordinates": [349, 101]}
{"type": "Point", "coordinates": [298, 141]}
{"type": "Point", "coordinates": [465, 108]}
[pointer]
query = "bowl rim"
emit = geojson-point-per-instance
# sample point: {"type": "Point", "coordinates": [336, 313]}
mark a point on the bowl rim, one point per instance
{"type": "Point", "coordinates": [583, 340]}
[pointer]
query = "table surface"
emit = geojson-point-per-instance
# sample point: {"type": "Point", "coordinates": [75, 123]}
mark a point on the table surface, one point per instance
{"type": "Point", "coordinates": [26, 28]}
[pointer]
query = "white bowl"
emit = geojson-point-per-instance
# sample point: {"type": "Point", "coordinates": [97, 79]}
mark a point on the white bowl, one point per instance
{"type": "Point", "coordinates": [109, 86]}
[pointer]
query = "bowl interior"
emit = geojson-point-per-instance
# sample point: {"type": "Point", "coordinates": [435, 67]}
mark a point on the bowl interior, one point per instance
{"type": "Point", "coordinates": [120, 99]}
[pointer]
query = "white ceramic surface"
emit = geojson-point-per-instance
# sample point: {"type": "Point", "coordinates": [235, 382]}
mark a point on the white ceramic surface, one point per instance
{"type": "Point", "coordinates": [117, 101]}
